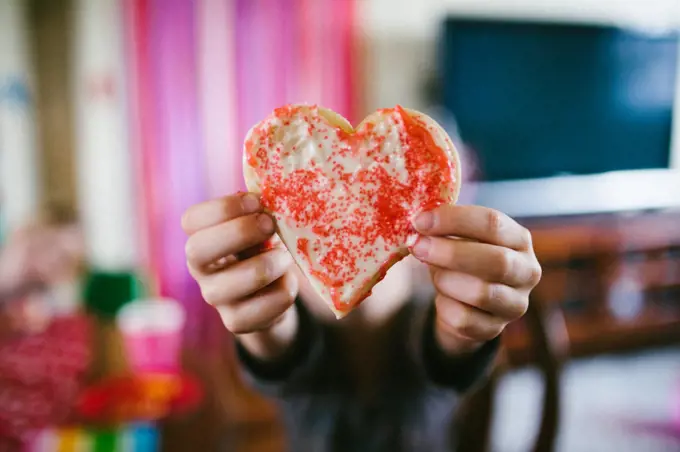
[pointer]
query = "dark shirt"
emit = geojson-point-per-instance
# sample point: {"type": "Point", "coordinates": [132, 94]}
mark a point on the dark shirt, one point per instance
{"type": "Point", "coordinates": [411, 409]}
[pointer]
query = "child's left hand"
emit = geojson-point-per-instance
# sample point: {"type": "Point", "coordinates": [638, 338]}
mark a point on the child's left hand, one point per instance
{"type": "Point", "coordinates": [483, 267]}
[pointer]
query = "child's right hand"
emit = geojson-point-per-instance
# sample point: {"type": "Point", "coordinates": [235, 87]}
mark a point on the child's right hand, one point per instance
{"type": "Point", "coordinates": [252, 288]}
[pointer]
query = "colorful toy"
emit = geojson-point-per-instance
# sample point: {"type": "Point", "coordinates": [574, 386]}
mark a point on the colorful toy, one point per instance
{"type": "Point", "coordinates": [156, 388]}
{"type": "Point", "coordinates": [147, 397]}
{"type": "Point", "coordinates": [152, 332]}
{"type": "Point", "coordinates": [138, 437]}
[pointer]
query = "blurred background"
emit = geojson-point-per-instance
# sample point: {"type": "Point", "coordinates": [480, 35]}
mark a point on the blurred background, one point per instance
{"type": "Point", "coordinates": [116, 115]}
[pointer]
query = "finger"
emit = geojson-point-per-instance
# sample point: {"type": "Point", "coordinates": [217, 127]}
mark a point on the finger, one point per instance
{"type": "Point", "coordinates": [216, 211]}
{"type": "Point", "coordinates": [244, 278]}
{"type": "Point", "coordinates": [209, 245]}
{"type": "Point", "coordinates": [263, 309]}
{"type": "Point", "coordinates": [466, 322]}
{"type": "Point", "coordinates": [476, 223]}
{"type": "Point", "coordinates": [272, 242]}
{"type": "Point", "coordinates": [498, 300]}
{"type": "Point", "coordinates": [222, 263]}
{"type": "Point", "coordinates": [489, 262]}
{"type": "Point", "coordinates": [219, 265]}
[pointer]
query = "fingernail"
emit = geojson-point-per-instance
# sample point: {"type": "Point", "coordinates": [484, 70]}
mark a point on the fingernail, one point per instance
{"type": "Point", "coordinates": [265, 223]}
{"type": "Point", "coordinates": [424, 221]}
{"type": "Point", "coordinates": [422, 248]}
{"type": "Point", "coordinates": [250, 203]}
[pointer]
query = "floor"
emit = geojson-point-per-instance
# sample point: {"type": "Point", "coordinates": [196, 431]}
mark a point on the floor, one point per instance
{"type": "Point", "coordinates": [601, 395]}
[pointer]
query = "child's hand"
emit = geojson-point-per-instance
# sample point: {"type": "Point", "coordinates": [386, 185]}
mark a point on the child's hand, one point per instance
{"type": "Point", "coordinates": [483, 267]}
{"type": "Point", "coordinates": [251, 288]}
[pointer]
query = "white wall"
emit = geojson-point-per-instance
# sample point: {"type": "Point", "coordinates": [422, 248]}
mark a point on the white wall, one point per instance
{"type": "Point", "coordinates": [401, 33]}
{"type": "Point", "coordinates": [19, 165]}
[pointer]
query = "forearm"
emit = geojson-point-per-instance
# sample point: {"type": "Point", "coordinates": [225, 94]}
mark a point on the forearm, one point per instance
{"type": "Point", "coordinates": [285, 359]}
{"type": "Point", "coordinates": [276, 341]}
{"type": "Point", "coordinates": [452, 361]}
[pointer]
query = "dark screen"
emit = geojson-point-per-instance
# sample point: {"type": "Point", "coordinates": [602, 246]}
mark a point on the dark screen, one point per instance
{"type": "Point", "coordinates": [538, 100]}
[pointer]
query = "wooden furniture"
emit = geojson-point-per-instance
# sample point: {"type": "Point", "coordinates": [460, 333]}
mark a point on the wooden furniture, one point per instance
{"type": "Point", "coordinates": [610, 283]}
{"type": "Point", "coordinates": [616, 278]}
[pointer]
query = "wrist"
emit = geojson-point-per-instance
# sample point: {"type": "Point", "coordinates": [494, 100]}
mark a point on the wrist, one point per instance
{"type": "Point", "coordinates": [454, 344]}
{"type": "Point", "coordinates": [273, 342]}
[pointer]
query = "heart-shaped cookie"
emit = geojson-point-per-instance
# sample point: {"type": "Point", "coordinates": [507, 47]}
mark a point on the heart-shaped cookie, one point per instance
{"type": "Point", "coordinates": [344, 199]}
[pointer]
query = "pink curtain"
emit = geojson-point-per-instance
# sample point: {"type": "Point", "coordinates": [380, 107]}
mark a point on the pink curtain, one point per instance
{"type": "Point", "coordinates": [170, 139]}
{"type": "Point", "coordinates": [201, 73]}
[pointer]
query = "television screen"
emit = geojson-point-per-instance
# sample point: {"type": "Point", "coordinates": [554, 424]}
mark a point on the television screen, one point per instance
{"type": "Point", "coordinates": [538, 100]}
